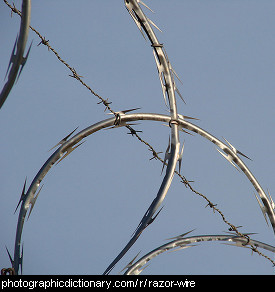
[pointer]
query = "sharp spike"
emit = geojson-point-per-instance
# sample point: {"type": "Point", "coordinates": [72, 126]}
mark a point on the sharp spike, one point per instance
{"type": "Point", "coordinates": [239, 152]}
{"type": "Point", "coordinates": [259, 202]}
{"type": "Point", "coordinates": [130, 263]}
{"type": "Point", "coordinates": [231, 146]}
{"type": "Point", "coordinates": [130, 110]}
{"type": "Point", "coordinates": [136, 22]}
{"type": "Point", "coordinates": [141, 2]}
{"type": "Point", "coordinates": [167, 155]}
{"type": "Point", "coordinates": [228, 158]}
{"type": "Point", "coordinates": [64, 139]}
{"type": "Point", "coordinates": [125, 111]}
{"type": "Point", "coordinates": [271, 201]}
{"type": "Point", "coordinates": [174, 72]}
{"type": "Point", "coordinates": [263, 209]}
{"type": "Point", "coordinates": [181, 129]}
{"type": "Point", "coordinates": [186, 117]}
{"type": "Point", "coordinates": [235, 150]}
{"type": "Point", "coordinates": [178, 92]}
{"type": "Point", "coordinates": [180, 156]}
{"type": "Point", "coordinates": [181, 235]}
{"type": "Point", "coordinates": [11, 260]}
{"type": "Point", "coordinates": [154, 24]}
{"type": "Point", "coordinates": [22, 196]}
{"type": "Point", "coordinates": [24, 60]}
{"type": "Point", "coordinates": [153, 218]}
{"type": "Point", "coordinates": [160, 71]}
{"type": "Point", "coordinates": [12, 56]}
{"type": "Point", "coordinates": [163, 87]}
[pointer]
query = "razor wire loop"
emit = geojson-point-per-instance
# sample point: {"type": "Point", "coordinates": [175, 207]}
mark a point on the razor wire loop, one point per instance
{"type": "Point", "coordinates": [106, 103]}
{"type": "Point", "coordinates": [182, 242]}
{"type": "Point", "coordinates": [142, 22]}
{"type": "Point", "coordinates": [59, 154]}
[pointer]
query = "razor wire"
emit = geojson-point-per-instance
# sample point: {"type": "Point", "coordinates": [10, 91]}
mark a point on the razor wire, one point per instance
{"type": "Point", "coordinates": [67, 146]}
{"type": "Point", "coordinates": [17, 59]}
{"type": "Point", "coordinates": [106, 103]}
{"type": "Point", "coordinates": [181, 242]}
{"type": "Point", "coordinates": [166, 75]}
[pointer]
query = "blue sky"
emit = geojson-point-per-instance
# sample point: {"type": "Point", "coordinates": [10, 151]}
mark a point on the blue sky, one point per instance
{"type": "Point", "coordinates": [91, 203]}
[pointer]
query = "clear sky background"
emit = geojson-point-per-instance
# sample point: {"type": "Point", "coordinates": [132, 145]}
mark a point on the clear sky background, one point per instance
{"type": "Point", "coordinates": [92, 202]}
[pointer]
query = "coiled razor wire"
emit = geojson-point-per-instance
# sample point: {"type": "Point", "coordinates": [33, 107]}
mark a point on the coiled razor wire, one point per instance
{"type": "Point", "coordinates": [175, 121]}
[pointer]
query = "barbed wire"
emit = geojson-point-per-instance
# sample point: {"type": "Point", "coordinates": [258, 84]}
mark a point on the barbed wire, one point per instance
{"type": "Point", "coordinates": [133, 132]}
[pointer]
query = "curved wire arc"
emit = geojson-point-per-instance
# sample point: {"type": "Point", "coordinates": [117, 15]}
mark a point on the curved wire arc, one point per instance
{"type": "Point", "coordinates": [184, 242]}
{"type": "Point", "coordinates": [168, 87]}
{"type": "Point", "coordinates": [17, 59]}
{"type": "Point", "coordinates": [143, 22]}
{"type": "Point", "coordinates": [28, 198]}
{"type": "Point", "coordinates": [266, 202]}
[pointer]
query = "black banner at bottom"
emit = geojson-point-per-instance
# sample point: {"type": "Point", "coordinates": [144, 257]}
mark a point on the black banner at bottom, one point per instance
{"type": "Point", "coordinates": [47, 283]}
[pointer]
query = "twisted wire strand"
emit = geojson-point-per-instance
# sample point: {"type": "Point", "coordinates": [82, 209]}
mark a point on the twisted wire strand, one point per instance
{"type": "Point", "coordinates": [106, 103]}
